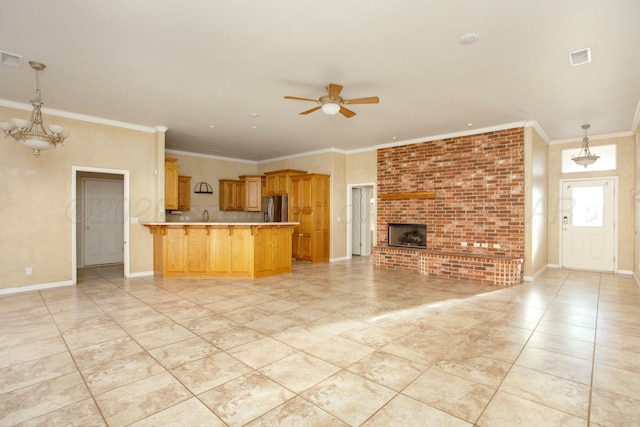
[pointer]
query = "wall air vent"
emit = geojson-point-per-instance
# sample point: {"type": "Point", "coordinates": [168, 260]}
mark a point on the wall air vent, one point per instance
{"type": "Point", "coordinates": [579, 57]}
{"type": "Point", "coordinates": [11, 59]}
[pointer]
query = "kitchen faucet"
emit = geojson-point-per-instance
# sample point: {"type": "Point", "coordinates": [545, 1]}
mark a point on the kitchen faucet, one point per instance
{"type": "Point", "coordinates": [205, 216]}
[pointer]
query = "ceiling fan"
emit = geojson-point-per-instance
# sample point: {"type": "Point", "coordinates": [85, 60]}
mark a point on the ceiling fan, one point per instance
{"type": "Point", "coordinates": [333, 103]}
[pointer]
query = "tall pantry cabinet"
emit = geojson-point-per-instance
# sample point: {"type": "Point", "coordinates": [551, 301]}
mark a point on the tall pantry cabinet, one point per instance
{"type": "Point", "coordinates": [309, 206]}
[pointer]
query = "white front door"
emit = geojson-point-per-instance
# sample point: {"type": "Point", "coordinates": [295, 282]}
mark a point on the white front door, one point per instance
{"type": "Point", "coordinates": [103, 221]}
{"type": "Point", "coordinates": [588, 224]}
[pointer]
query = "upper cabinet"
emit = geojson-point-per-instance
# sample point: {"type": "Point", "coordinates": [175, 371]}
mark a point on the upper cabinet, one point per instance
{"type": "Point", "coordinates": [252, 192]}
{"type": "Point", "coordinates": [279, 182]}
{"type": "Point", "coordinates": [184, 193]}
{"type": "Point", "coordinates": [177, 189]}
{"type": "Point", "coordinates": [231, 195]}
{"type": "Point", "coordinates": [170, 183]}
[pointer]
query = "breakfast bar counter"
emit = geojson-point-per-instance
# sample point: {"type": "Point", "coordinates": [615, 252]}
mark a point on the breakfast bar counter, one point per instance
{"type": "Point", "coordinates": [216, 249]}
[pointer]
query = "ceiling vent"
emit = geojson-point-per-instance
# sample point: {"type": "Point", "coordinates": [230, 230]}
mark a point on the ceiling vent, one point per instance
{"type": "Point", "coordinates": [579, 57]}
{"type": "Point", "coordinates": [11, 60]}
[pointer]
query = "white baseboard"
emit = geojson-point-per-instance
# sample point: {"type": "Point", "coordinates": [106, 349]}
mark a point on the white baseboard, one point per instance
{"type": "Point", "coordinates": [536, 274]}
{"type": "Point", "coordinates": [39, 287]}
{"type": "Point", "coordinates": [140, 274]}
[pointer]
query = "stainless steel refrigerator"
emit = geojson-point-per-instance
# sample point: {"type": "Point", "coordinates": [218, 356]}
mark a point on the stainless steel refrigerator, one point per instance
{"type": "Point", "coordinates": [275, 208]}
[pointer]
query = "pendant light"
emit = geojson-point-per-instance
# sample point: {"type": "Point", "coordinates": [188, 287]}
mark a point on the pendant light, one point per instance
{"type": "Point", "coordinates": [585, 158]}
{"type": "Point", "coordinates": [32, 133]}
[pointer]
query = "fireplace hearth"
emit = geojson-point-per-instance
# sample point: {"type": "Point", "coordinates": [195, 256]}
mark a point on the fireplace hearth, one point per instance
{"type": "Point", "coordinates": [407, 235]}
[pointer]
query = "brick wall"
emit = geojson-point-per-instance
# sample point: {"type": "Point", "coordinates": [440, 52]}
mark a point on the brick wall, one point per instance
{"type": "Point", "coordinates": [479, 183]}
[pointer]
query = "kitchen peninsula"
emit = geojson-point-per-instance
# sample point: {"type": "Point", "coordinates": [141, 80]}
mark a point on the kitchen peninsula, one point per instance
{"type": "Point", "coordinates": [215, 249]}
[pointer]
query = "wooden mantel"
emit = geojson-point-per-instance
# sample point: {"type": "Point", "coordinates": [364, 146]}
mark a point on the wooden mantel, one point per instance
{"type": "Point", "coordinates": [408, 196]}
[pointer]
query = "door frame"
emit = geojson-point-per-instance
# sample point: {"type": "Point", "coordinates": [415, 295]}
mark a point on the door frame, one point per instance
{"type": "Point", "coordinates": [82, 246]}
{"type": "Point", "coordinates": [349, 213]}
{"type": "Point", "coordinates": [615, 202]}
{"type": "Point", "coordinates": [73, 215]}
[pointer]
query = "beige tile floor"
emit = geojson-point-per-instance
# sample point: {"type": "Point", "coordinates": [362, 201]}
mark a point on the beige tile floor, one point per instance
{"type": "Point", "coordinates": [328, 345]}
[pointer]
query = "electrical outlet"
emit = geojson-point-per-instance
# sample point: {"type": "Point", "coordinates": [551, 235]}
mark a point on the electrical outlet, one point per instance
{"type": "Point", "coordinates": [476, 245]}
{"type": "Point", "coordinates": [485, 245]}
{"type": "Point", "coordinates": [29, 271]}
{"type": "Point", "coordinates": [496, 246]}
{"type": "Point", "coordinates": [463, 244]}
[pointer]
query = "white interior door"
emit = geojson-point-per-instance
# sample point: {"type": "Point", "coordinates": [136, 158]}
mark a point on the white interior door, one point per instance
{"type": "Point", "coordinates": [356, 221]}
{"type": "Point", "coordinates": [588, 224]}
{"type": "Point", "coordinates": [103, 221]}
{"type": "Point", "coordinates": [361, 232]}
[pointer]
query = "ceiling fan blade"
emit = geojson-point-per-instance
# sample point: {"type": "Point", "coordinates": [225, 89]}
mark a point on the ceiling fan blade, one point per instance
{"type": "Point", "coordinates": [369, 100]}
{"type": "Point", "coordinates": [334, 90]}
{"type": "Point", "coordinates": [347, 113]}
{"type": "Point", "coordinates": [300, 99]}
{"type": "Point", "coordinates": [311, 110]}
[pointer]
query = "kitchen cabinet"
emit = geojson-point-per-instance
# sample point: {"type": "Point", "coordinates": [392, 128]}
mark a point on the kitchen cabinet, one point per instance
{"type": "Point", "coordinates": [309, 206]}
{"type": "Point", "coordinates": [170, 183]}
{"type": "Point", "coordinates": [272, 250]}
{"type": "Point", "coordinates": [252, 192]}
{"type": "Point", "coordinates": [221, 250]}
{"type": "Point", "coordinates": [231, 195]}
{"type": "Point", "coordinates": [184, 193]}
{"type": "Point", "coordinates": [279, 182]}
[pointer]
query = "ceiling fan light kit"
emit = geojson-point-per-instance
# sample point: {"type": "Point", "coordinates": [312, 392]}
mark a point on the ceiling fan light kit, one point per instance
{"type": "Point", "coordinates": [333, 103]}
{"type": "Point", "coordinates": [331, 108]}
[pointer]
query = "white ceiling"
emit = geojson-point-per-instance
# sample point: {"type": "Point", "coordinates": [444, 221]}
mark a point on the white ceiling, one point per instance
{"type": "Point", "coordinates": [192, 64]}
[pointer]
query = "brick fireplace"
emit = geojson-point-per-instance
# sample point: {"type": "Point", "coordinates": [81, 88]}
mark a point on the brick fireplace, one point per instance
{"type": "Point", "coordinates": [464, 189]}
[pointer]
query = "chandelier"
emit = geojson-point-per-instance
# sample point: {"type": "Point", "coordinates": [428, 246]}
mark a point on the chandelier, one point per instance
{"type": "Point", "coordinates": [31, 133]}
{"type": "Point", "coordinates": [584, 157]}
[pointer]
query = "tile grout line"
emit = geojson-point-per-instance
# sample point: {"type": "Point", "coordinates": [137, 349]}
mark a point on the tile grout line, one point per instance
{"type": "Point", "coordinates": [93, 397]}
{"type": "Point", "coordinates": [593, 354]}
{"type": "Point", "coordinates": [518, 356]}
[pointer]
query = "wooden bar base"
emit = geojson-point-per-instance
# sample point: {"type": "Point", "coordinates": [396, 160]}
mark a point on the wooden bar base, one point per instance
{"type": "Point", "coordinates": [221, 250]}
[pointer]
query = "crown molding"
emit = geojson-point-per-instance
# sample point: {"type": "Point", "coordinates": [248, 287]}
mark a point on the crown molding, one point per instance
{"type": "Point", "coordinates": [209, 156]}
{"type": "Point", "coordinates": [308, 153]}
{"type": "Point", "coordinates": [535, 125]}
{"type": "Point", "coordinates": [592, 138]}
{"type": "Point", "coordinates": [82, 117]}
{"type": "Point", "coordinates": [457, 134]}
{"type": "Point", "coordinates": [636, 120]}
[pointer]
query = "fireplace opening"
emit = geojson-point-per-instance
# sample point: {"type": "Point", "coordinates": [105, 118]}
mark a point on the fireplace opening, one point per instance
{"type": "Point", "coordinates": [408, 235]}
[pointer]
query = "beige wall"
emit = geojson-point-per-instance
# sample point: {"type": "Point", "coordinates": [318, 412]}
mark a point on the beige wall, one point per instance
{"type": "Point", "coordinates": [339, 211]}
{"type": "Point", "coordinates": [636, 262]}
{"type": "Point", "coordinates": [313, 163]}
{"type": "Point", "coordinates": [330, 163]}
{"type": "Point", "coordinates": [536, 176]}
{"type": "Point", "coordinates": [211, 170]}
{"type": "Point", "coordinates": [625, 174]}
{"type": "Point", "coordinates": [362, 167]}
{"type": "Point", "coordinates": [37, 209]}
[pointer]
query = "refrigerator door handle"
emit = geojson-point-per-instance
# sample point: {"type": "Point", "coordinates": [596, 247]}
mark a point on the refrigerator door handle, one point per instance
{"type": "Point", "coordinates": [270, 209]}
